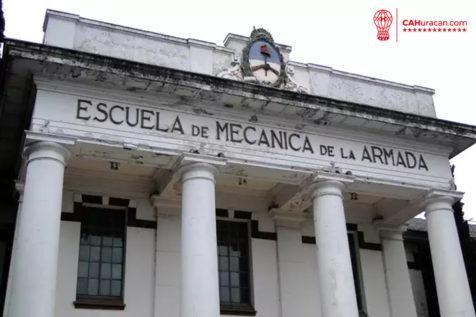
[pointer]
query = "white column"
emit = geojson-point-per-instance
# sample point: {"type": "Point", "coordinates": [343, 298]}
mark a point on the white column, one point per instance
{"type": "Point", "coordinates": [33, 284]}
{"type": "Point", "coordinates": [199, 286]}
{"type": "Point", "coordinates": [452, 286]}
{"type": "Point", "coordinates": [335, 276]}
{"type": "Point", "coordinates": [292, 264]}
{"type": "Point", "coordinates": [399, 286]}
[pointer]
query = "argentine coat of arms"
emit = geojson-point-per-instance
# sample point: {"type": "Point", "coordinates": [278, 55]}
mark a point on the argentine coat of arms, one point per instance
{"type": "Point", "coordinates": [262, 63]}
{"type": "Point", "coordinates": [262, 59]}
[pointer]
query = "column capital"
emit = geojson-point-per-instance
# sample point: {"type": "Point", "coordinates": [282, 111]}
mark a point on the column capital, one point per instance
{"type": "Point", "coordinates": [199, 166]}
{"type": "Point", "coordinates": [333, 176]}
{"type": "Point", "coordinates": [188, 158]}
{"type": "Point", "coordinates": [388, 232]}
{"type": "Point", "coordinates": [440, 200]}
{"type": "Point", "coordinates": [46, 150]}
{"type": "Point", "coordinates": [325, 183]}
{"type": "Point", "coordinates": [20, 186]}
{"type": "Point", "coordinates": [197, 170]}
{"type": "Point", "coordinates": [165, 206]}
{"type": "Point", "coordinates": [288, 219]}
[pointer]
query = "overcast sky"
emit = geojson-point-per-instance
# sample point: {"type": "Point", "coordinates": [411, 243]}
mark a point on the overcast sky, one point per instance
{"type": "Point", "coordinates": [339, 34]}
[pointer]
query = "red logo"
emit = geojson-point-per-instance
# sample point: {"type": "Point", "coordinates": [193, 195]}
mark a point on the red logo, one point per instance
{"type": "Point", "coordinates": [383, 20]}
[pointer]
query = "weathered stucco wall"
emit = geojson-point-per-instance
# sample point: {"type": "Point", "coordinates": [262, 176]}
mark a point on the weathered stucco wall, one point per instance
{"type": "Point", "coordinates": [56, 111]}
{"type": "Point", "coordinates": [284, 271]}
{"type": "Point", "coordinates": [152, 274]}
{"type": "Point", "coordinates": [139, 274]}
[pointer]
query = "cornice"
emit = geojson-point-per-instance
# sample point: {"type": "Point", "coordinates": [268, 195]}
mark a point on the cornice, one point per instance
{"type": "Point", "coordinates": [15, 49]}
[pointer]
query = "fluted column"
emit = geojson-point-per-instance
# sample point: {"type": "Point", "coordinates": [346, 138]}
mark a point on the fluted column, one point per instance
{"type": "Point", "coordinates": [199, 285]}
{"type": "Point", "coordinates": [33, 283]}
{"type": "Point", "coordinates": [454, 296]}
{"type": "Point", "coordinates": [337, 292]}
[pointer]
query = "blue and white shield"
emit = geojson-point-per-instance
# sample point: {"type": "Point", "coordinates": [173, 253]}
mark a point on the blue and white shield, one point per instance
{"type": "Point", "coordinates": [265, 62]}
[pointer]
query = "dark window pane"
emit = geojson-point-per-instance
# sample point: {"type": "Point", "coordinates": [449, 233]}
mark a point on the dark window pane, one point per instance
{"type": "Point", "coordinates": [234, 264]}
{"type": "Point", "coordinates": [117, 271]}
{"type": "Point", "coordinates": [82, 286]}
{"type": "Point", "coordinates": [243, 230]}
{"type": "Point", "coordinates": [235, 279]}
{"type": "Point", "coordinates": [107, 241]}
{"type": "Point", "coordinates": [222, 229]}
{"type": "Point", "coordinates": [224, 279]}
{"type": "Point", "coordinates": [106, 255]}
{"type": "Point", "coordinates": [224, 294]}
{"type": "Point", "coordinates": [235, 295]}
{"type": "Point", "coordinates": [84, 253]}
{"type": "Point", "coordinates": [223, 250]}
{"type": "Point", "coordinates": [94, 270]}
{"type": "Point", "coordinates": [223, 263]}
{"type": "Point", "coordinates": [233, 231]}
{"type": "Point", "coordinates": [95, 254]}
{"type": "Point", "coordinates": [244, 264]}
{"type": "Point", "coordinates": [83, 269]}
{"type": "Point", "coordinates": [116, 288]}
{"type": "Point", "coordinates": [101, 245]}
{"type": "Point", "coordinates": [95, 240]}
{"type": "Point", "coordinates": [244, 248]}
{"type": "Point", "coordinates": [117, 255]}
{"type": "Point", "coordinates": [244, 280]}
{"type": "Point", "coordinates": [234, 251]}
{"type": "Point", "coordinates": [93, 286]}
{"type": "Point", "coordinates": [117, 242]}
{"type": "Point", "coordinates": [84, 239]}
{"type": "Point", "coordinates": [245, 295]}
{"type": "Point", "coordinates": [105, 270]}
{"type": "Point", "coordinates": [105, 287]}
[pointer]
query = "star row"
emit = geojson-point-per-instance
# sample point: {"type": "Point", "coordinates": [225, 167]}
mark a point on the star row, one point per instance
{"type": "Point", "coordinates": [434, 30]}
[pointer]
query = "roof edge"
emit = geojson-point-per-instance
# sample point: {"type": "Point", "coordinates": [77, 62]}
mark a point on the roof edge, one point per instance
{"type": "Point", "coordinates": [165, 37]}
{"type": "Point", "coordinates": [462, 130]}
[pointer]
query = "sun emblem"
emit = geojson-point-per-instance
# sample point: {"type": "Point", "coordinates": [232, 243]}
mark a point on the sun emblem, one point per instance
{"type": "Point", "coordinates": [262, 59]}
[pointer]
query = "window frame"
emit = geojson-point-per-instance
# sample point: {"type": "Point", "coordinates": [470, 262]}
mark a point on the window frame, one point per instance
{"type": "Point", "coordinates": [102, 301]}
{"type": "Point", "coordinates": [248, 308]}
{"type": "Point", "coordinates": [354, 249]}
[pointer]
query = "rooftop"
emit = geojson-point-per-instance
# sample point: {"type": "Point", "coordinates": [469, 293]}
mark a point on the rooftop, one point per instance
{"type": "Point", "coordinates": [419, 224]}
{"type": "Point", "coordinates": [71, 31]}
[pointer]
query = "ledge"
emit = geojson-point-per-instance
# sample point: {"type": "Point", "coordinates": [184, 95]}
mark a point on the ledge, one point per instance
{"type": "Point", "coordinates": [459, 135]}
{"type": "Point", "coordinates": [112, 27]}
{"type": "Point", "coordinates": [238, 311]}
{"type": "Point", "coordinates": [99, 303]}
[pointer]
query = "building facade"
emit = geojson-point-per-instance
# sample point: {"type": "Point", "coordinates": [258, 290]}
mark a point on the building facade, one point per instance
{"type": "Point", "coordinates": [161, 176]}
